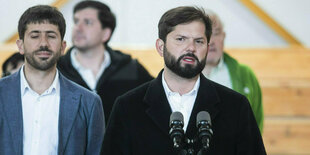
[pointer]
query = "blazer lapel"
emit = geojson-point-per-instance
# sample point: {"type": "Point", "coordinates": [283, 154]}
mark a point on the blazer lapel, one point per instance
{"type": "Point", "coordinates": [206, 100]}
{"type": "Point", "coordinates": [159, 109]}
{"type": "Point", "coordinates": [69, 105]}
{"type": "Point", "coordinates": [12, 108]}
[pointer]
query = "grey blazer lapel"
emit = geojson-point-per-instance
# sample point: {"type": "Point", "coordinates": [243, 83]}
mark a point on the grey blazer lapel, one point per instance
{"type": "Point", "coordinates": [69, 106]}
{"type": "Point", "coordinates": [12, 107]}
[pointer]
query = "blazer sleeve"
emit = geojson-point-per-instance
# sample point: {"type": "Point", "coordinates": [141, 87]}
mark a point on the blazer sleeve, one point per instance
{"type": "Point", "coordinates": [256, 100]}
{"type": "Point", "coordinates": [96, 128]}
{"type": "Point", "coordinates": [248, 138]}
{"type": "Point", "coordinates": [116, 140]}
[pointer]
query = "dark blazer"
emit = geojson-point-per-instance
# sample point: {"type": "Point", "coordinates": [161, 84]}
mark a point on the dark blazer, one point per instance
{"type": "Point", "coordinates": [139, 122]}
{"type": "Point", "coordinates": [122, 75]}
{"type": "Point", "coordinates": [81, 118]}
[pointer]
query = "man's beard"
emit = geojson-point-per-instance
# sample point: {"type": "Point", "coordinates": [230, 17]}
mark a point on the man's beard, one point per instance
{"type": "Point", "coordinates": [44, 63]}
{"type": "Point", "coordinates": [82, 49]}
{"type": "Point", "coordinates": [187, 71]}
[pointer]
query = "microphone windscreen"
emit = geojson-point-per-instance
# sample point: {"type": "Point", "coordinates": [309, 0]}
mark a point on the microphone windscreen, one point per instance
{"type": "Point", "coordinates": [176, 116]}
{"type": "Point", "coordinates": [203, 116]}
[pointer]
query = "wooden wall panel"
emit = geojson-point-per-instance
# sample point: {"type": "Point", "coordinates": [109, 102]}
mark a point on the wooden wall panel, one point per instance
{"type": "Point", "coordinates": [284, 75]}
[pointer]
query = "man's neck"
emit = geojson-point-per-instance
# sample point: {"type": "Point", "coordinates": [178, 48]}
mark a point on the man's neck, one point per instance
{"type": "Point", "coordinates": [38, 80]}
{"type": "Point", "coordinates": [209, 66]}
{"type": "Point", "coordinates": [179, 84]}
{"type": "Point", "coordinates": [91, 59]}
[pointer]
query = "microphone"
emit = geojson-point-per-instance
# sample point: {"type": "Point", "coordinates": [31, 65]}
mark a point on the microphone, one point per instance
{"type": "Point", "coordinates": [204, 129]}
{"type": "Point", "coordinates": [176, 129]}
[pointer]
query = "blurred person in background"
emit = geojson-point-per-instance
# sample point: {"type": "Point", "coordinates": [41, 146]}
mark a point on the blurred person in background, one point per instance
{"type": "Point", "coordinates": [12, 64]}
{"type": "Point", "coordinates": [225, 70]}
{"type": "Point", "coordinates": [92, 64]}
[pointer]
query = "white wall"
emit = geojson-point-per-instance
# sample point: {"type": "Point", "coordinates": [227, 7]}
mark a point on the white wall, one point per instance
{"type": "Point", "coordinates": [137, 20]}
{"type": "Point", "coordinates": [10, 11]}
{"type": "Point", "coordinates": [293, 15]}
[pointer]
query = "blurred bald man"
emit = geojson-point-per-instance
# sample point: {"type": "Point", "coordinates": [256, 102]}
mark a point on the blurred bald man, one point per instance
{"type": "Point", "coordinates": [227, 71]}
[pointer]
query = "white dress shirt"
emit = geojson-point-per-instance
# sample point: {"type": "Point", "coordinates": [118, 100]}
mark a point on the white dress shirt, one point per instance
{"type": "Point", "coordinates": [86, 73]}
{"type": "Point", "coordinates": [220, 74]}
{"type": "Point", "coordinates": [182, 103]}
{"type": "Point", "coordinates": [40, 118]}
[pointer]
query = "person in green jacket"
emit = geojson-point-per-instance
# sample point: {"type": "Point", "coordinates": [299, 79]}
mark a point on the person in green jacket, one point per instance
{"type": "Point", "coordinates": [225, 70]}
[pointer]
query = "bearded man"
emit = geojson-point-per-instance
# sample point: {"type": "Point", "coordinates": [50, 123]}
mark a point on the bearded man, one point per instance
{"type": "Point", "coordinates": [139, 122]}
{"type": "Point", "coordinates": [41, 111]}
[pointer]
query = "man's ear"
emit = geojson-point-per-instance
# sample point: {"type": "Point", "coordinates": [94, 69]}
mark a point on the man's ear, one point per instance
{"type": "Point", "coordinates": [208, 48]}
{"type": "Point", "coordinates": [20, 46]}
{"type": "Point", "coordinates": [107, 32]}
{"type": "Point", "coordinates": [160, 45]}
{"type": "Point", "coordinates": [63, 47]}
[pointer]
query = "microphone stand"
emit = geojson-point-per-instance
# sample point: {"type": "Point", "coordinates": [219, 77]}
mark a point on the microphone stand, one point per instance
{"type": "Point", "coordinates": [188, 148]}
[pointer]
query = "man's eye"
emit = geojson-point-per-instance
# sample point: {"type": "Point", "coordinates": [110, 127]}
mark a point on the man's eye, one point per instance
{"type": "Point", "coordinates": [34, 37]}
{"type": "Point", "coordinates": [216, 33]}
{"type": "Point", "coordinates": [180, 39]}
{"type": "Point", "coordinates": [51, 36]}
{"type": "Point", "coordinates": [75, 21]}
{"type": "Point", "coordinates": [200, 41]}
{"type": "Point", "coordinates": [88, 22]}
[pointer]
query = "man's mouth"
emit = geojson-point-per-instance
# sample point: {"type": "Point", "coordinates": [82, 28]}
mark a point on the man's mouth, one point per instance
{"type": "Point", "coordinates": [212, 50]}
{"type": "Point", "coordinates": [43, 54]}
{"type": "Point", "coordinates": [78, 37]}
{"type": "Point", "coordinates": [188, 59]}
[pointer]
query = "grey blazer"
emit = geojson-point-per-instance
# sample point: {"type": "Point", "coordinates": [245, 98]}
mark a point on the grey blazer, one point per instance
{"type": "Point", "coordinates": [81, 118]}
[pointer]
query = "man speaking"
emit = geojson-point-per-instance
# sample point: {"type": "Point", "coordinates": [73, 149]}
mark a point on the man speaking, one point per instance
{"type": "Point", "coordinates": [139, 122]}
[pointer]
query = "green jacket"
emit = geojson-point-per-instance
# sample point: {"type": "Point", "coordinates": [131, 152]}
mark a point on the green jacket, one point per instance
{"type": "Point", "coordinates": [244, 81]}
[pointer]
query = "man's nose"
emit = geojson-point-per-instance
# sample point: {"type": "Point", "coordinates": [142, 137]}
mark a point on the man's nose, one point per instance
{"type": "Point", "coordinates": [211, 41]}
{"type": "Point", "coordinates": [44, 41]}
{"type": "Point", "coordinates": [191, 47]}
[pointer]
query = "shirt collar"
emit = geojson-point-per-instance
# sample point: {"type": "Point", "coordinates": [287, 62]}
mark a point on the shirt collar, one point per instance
{"type": "Point", "coordinates": [55, 86]}
{"type": "Point", "coordinates": [23, 82]}
{"type": "Point", "coordinates": [169, 92]}
{"type": "Point", "coordinates": [76, 64]}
